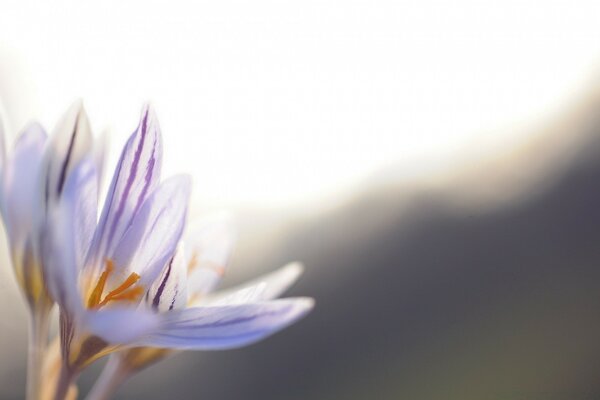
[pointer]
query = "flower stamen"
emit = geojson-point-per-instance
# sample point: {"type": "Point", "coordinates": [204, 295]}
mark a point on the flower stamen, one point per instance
{"type": "Point", "coordinates": [195, 263]}
{"type": "Point", "coordinates": [124, 291]}
{"type": "Point", "coordinates": [94, 299]}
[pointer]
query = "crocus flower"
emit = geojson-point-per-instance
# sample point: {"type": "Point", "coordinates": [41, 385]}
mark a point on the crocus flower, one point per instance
{"type": "Point", "coordinates": [32, 182]}
{"type": "Point", "coordinates": [205, 261]}
{"type": "Point", "coordinates": [104, 274]}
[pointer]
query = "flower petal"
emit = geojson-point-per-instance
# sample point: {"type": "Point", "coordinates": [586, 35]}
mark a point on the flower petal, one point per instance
{"type": "Point", "coordinates": [69, 144]}
{"type": "Point", "coordinates": [68, 233]}
{"type": "Point", "coordinates": [136, 176]}
{"type": "Point", "coordinates": [169, 292]}
{"type": "Point", "coordinates": [266, 287]}
{"type": "Point", "coordinates": [81, 196]}
{"type": "Point", "coordinates": [155, 232]}
{"type": "Point", "coordinates": [226, 327]}
{"type": "Point", "coordinates": [2, 161]}
{"type": "Point", "coordinates": [121, 325]}
{"type": "Point", "coordinates": [100, 152]}
{"type": "Point", "coordinates": [2, 145]}
{"type": "Point", "coordinates": [21, 178]}
{"type": "Point", "coordinates": [208, 250]}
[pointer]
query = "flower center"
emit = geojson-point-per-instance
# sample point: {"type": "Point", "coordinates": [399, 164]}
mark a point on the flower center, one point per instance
{"type": "Point", "coordinates": [126, 291]}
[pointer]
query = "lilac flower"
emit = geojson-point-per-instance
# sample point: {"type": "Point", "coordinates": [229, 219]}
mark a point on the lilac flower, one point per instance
{"type": "Point", "coordinates": [202, 264]}
{"type": "Point", "coordinates": [32, 185]}
{"type": "Point", "coordinates": [118, 282]}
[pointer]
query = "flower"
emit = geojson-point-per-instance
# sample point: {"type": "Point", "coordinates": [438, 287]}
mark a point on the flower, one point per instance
{"type": "Point", "coordinates": [104, 274]}
{"type": "Point", "coordinates": [205, 261]}
{"type": "Point", "coordinates": [32, 181]}
{"type": "Point", "coordinates": [33, 177]}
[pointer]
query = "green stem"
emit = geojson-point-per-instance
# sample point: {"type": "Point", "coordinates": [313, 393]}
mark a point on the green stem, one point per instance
{"type": "Point", "coordinates": [38, 338]}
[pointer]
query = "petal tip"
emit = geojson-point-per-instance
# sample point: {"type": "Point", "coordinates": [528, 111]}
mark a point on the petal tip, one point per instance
{"type": "Point", "coordinates": [295, 268]}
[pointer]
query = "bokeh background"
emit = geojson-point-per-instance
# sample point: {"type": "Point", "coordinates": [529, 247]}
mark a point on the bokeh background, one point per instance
{"type": "Point", "coordinates": [436, 166]}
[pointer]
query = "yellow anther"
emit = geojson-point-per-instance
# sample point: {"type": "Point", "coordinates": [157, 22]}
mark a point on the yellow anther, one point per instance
{"type": "Point", "coordinates": [96, 295]}
{"type": "Point", "coordinates": [123, 292]}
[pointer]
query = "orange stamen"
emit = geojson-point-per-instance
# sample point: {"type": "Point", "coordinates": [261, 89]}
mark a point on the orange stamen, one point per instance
{"type": "Point", "coordinates": [94, 299]}
{"type": "Point", "coordinates": [124, 291]}
{"type": "Point", "coordinates": [193, 262]}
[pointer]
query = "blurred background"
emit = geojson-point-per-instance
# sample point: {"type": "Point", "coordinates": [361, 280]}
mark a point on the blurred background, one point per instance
{"type": "Point", "coordinates": [435, 165]}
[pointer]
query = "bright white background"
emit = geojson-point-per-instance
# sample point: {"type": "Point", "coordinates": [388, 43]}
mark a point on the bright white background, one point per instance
{"type": "Point", "coordinates": [279, 103]}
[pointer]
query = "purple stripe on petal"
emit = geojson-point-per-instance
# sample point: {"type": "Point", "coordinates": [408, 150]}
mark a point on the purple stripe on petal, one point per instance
{"type": "Point", "coordinates": [132, 174]}
{"type": "Point", "coordinates": [63, 169]}
{"type": "Point", "coordinates": [161, 288]}
{"type": "Point", "coordinates": [71, 141]}
{"type": "Point", "coordinates": [154, 234]}
{"type": "Point", "coordinates": [226, 327]}
{"type": "Point", "coordinates": [169, 291]}
{"type": "Point", "coordinates": [136, 176]}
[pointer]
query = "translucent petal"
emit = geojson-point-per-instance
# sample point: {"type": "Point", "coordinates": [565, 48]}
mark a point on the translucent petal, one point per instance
{"type": "Point", "coordinates": [121, 325]}
{"type": "Point", "coordinates": [208, 249]}
{"type": "Point", "coordinates": [212, 328]}
{"type": "Point", "coordinates": [266, 287]}
{"type": "Point", "coordinates": [21, 178]}
{"type": "Point", "coordinates": [151, 241]}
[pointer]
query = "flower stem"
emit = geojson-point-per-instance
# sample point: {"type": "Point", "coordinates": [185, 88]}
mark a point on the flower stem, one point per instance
{"type": "Point", "coordinates": [65, 379]}
{"type": "Point", "coordinates": [38, 337]}
{"type": "Point", "coordinates": [113, 375]}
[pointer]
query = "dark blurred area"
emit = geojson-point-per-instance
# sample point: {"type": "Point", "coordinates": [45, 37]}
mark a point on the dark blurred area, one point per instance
{"type": "Point", "coordinates": [421, 297]}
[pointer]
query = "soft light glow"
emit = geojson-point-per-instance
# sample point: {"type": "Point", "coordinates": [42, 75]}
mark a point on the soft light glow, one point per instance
{"type": "Point", "coordinates": [276, 103]}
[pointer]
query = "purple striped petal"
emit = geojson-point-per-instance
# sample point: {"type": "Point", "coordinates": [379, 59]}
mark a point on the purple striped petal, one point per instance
{"type": "Point", "coordinates": [136, 176]}
{"type": "Point", "coordinates": [67, 236]}
{"type": "Point", "coordinates": [266, 287]}
{"type": "Point", "coordinates": [70, 142]}
{"type": "Point", "coordinates": [213, 328]}
{"type": "Point", "coordinates": [169, 291]}
{"type": "Point", "coordinates": [21, 177]}
{"type": "Point", "coordinates": [155, 232]}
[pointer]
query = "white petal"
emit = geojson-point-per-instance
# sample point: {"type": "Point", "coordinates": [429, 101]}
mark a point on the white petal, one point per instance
{"type": "Point", "coordinates": [81, 197]}
{"type": "Point", "coordinates": [121, 325]}
{"type": "Point", "coordinates": [266, 287]}
{"type": "Point", "coordinates": [208, 249]}
{"type": "Point", "coordinates": [21, 178]}
{"type": "Point", "coordinates": [212, 328]}
{"type": "Point", "coordinates": [2, 142]}
{"type": "Point", "coordinates": [169, 292]}
{"type": "Point", "coordinates": [155, 232]}
{"type": "Point", "coordinates": [100, 153]}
